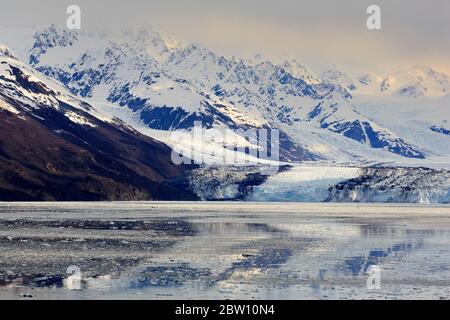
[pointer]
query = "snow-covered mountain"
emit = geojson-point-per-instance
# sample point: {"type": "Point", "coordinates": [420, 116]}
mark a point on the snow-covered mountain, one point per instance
{"type": "Point", "coordinates": [123, 73]}
{"type": "Point", "coordinates": [170, 86]}
{"type": "Point", "coordinates": [55, 146]}
{"type": "Point", "coordinates": [299, 71]}
{"type": "Point", "coordinates": [141, 85]}
{"type": "Point", "coordinates": [418, 81]}
{"type": "Point", "coordinates": [6, 52]}
{"type": "Point", "coordinates": [335, 76]}
{"type": "Point", "coordinates": [30, 91]}
{"type": "Point", "coordinates": [414, 82]}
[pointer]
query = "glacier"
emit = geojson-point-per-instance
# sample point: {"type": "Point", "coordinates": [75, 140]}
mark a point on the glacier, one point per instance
{"type": "Point", "coordinates": [323, 183]}
{"type": "Point", "coordinates": [302, 184]}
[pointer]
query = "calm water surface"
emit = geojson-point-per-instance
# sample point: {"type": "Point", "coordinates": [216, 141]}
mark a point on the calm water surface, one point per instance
{"type": "Point", "coordinates": [223, 251]}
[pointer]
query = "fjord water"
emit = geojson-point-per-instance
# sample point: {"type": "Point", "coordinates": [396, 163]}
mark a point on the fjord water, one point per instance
{"type": "Point", "coordinates": [183, 250]}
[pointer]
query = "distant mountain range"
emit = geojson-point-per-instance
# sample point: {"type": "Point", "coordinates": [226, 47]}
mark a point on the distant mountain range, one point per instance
{"type": "Point", "coordinates": [170, 86]}
{"type": "Point", "coordinates": [417, 81]}
{"type": "Point", "coordinates": [88, 117]}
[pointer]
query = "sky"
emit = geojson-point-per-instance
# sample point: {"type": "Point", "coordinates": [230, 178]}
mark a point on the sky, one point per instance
{"type": "Point", "coordinates": [318, 33]}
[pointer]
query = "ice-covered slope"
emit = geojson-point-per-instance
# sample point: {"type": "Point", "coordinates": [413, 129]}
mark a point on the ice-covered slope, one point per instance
{"type": "Point", "coordinates": [416, 119]}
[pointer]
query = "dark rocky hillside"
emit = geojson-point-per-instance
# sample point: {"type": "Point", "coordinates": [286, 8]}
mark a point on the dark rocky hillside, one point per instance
{"type": "Point", "coordinates": [54, 159]}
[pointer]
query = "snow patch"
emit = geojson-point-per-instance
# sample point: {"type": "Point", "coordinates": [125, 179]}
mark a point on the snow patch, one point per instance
{"type": "Point", "coordinates": [8, 107]}
{"type": "Point", "coordinates": [76, 118]}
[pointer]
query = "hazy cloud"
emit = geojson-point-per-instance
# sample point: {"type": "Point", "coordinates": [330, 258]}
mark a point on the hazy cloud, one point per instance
{"type": "Point", "coordinates": [319, 33]}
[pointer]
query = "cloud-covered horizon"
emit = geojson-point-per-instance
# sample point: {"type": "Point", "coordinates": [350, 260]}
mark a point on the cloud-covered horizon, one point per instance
{"type": "Point", "coordinates": [319, 33]}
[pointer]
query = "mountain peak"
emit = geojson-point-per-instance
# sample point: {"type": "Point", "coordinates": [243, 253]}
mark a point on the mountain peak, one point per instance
{"type": "Point", "coordinates": [299, 71]}
{"type": "Point", "coordinates": [50, 37]}
{"type": "Point", "coordinates": [155, 43]}
{"type": "Point", "coordinates": [417, 81]}
{"type": "Point", "coordinates": [339, 77]}
{"type": "Point", "coordinates": [5, 51]}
